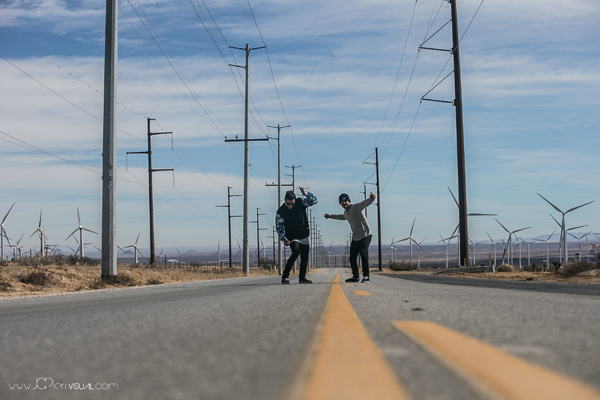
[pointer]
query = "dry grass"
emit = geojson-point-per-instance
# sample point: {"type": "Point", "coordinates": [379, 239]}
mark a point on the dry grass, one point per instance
{"type": "Point", "coordinates": [16, 280]}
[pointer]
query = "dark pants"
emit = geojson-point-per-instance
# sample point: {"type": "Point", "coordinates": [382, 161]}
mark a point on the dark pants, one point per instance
{"type": "Point", "coordinates": [301, 250]}
{"type": "Point", "coordinates": [360, 247]}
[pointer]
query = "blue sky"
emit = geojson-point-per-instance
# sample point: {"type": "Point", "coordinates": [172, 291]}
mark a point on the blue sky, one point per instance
{"type": "Point", "coordinates": [346, 75]}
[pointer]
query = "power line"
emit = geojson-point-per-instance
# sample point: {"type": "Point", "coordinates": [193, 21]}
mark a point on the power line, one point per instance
{"type": "Point", "coordinates": [275, 84]}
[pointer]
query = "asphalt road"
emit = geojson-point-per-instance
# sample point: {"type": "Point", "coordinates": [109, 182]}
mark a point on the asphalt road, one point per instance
{"type": "Point", "coordinates": [248, 338]}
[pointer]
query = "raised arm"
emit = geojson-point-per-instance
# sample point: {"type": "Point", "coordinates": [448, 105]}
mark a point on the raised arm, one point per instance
{"type": "Point", "coordinates": [309, 199]}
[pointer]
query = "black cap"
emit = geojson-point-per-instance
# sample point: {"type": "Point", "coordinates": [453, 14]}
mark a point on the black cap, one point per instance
{"type": "Point", "coordinates": [343, 197]}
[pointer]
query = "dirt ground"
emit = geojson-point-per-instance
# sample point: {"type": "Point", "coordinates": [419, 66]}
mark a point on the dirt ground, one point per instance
{"type": "Point", "coordinates": [18, 281]}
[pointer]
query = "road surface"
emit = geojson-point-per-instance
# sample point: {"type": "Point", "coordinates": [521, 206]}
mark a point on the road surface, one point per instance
{"type": "Point", "coordinates": [253, 338]}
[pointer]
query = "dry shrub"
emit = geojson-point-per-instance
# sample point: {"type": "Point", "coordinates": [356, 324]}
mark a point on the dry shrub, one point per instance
{"type": "Point", "coordinates": [122, 279]}
{"type": "Point", "coordinates": [36, 277]}
{"type": "Point", "coordinates": [4, 285]}
{"type": "Point", "coordinates": [576, 268]}
{"type": "Point", "coordinates": [402, 266]}
{"type": "Point", "coordinates": [505, 268]}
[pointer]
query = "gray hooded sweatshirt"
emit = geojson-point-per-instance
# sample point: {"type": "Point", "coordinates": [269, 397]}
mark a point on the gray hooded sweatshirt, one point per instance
{"type": "Point", "coordinates": [355, 216]}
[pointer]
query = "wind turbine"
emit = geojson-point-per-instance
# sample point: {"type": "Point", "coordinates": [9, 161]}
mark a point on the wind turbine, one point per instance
{"type": "Point", "coordinates": [135, 249]}
{"type": "Point", "coordinates": [40, 230]}
{"type": "Point", "coordinates": [579, 240]}
{"type": "Point", "coordinates": [446, 243]}
{"type": "Point", "coordinates": [493, 248]}
{"type": "Point", "coordinates": [560, 243]}
{"type": "Point", "coordinates": [529, 252]}
{"type": "Point", "coordinates": [509, 242]}
{"type": "Point", "coordinates": [80, 229]}
{"type": "Point", "coordinates": [17, 249]}
{"type": "Point", "coordinates": [548, 248]}
{"type": "Point", "coordinates": [563, 225]}
{"type": "Point", "coordinates": [418, 252]}
{"type": "Point", "coordinates": [474, 253]}
{"type": "Point", "coordinates": [3, 232]}
{"type": "Point", "coordinates": [468, 215]}
{"type": "Point", "coordinates": [410, 240]}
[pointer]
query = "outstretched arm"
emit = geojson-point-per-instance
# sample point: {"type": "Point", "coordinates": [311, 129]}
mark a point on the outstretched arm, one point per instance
{"type": "Point", "coordinates": [334, 216]}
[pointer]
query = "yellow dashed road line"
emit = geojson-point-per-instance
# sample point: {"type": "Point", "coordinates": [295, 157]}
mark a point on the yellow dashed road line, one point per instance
{"type": "Point", "coordinates": [506, 376]}
{"type": "Point", "coordinates": [361, 293]}
{"type": "Point", "coordinates": [347, 363]}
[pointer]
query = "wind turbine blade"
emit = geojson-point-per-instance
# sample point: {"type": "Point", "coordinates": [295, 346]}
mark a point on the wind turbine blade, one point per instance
{"type": "Point", "coordinates": [72, 233]}
{"type": "Point", "coordinates": [491, 240]}
{"type": "Point", "coordinates": [413, 225]}
{"type": "Point", "coordinates": [11, 207]}
{"type": "Point", "coordinates": [575, 208]}
{"type": "Point", "coordinates": [559, 224]}
{"type": "Point", "coordinates": [522, 229]}
{"type": "Point", "coordinates": [576, 227]}
{"type": "Point", "coordinates": [456, 201]}
{"type": "Point", "coordinates": [481, 215]}
{"type": "Point", "coordinates": [553, 232]}
{"type": "Point", "coordinates": [78, 217]}
{"type": "Point", "coordinates": [503, 227]}
{"type": "Point", "coordinates": [40, 224]}
{"type": "Point", "coordinates": [138, 238]}
{"type": "Point", "coordinates": [89, 230]}
{"type": "Point", "coordinates": [548, 201]}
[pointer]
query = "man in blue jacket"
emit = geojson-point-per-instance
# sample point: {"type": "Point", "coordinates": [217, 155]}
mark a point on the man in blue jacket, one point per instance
{"type": "Point", "coordinates": [292, 228]}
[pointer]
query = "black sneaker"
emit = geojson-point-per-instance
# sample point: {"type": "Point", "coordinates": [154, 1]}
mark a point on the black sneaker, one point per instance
{"type": "Point", "coordinates": [365, 279]}
{"type": "Point", "coordinates": [353, 279]}
{"type": "Point", "coordinates": [285, 281]}
{"type": "Point", "coordinates": [305, 281]}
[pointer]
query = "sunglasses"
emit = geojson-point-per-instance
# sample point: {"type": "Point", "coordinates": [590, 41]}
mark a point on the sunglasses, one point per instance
{"type": "Point", "coordinates": [289, 204]}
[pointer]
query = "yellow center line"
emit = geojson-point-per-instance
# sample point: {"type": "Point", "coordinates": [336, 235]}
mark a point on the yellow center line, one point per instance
{"type": "Point", "coordinates": [348, 284]}
{"type": "Point", "coordinates": [361, 293]}
{"type": "Point", "coordinates": [347, 363]}
{"type": "Point", "coordinates": [501, 373]}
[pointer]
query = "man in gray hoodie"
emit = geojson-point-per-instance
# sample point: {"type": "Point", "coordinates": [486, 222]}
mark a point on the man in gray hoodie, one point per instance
{"type": "Point", "coordinates": [361, 233]}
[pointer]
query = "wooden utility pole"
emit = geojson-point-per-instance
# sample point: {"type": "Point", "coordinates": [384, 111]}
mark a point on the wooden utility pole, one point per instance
{"type": "Point", "coordinates": [246, 140]}
{"type": "Point", "coordinates": [460, 142]}
{"type": "Point", "coordinates": [150, 190]}
{"type": "Point", "coordinates": [279, 185]}
{"type": "Point", "coordinates": [258, 229]}
{"type": "Point", "coordinates": [378, 210]}
{"type": "Point", "coordinates": [229, 216]}
{"type": "Point", "coordinates": [380, 258]}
